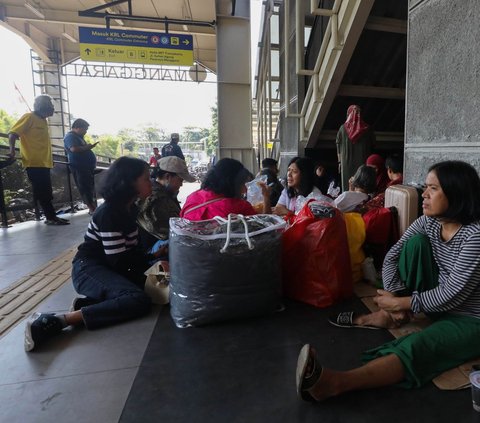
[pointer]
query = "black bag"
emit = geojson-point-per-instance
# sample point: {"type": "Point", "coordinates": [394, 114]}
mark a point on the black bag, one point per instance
{"type": "Point", "coordinates": [224, 268]}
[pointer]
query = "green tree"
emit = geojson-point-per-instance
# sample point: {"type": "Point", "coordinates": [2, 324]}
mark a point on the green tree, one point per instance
{"type": "Point", "coordinates": [108, 145]}
{"type": "Point", "coordinates": [128, 141]}
{"type": "Point", "coordinates": [194, 134]}
{"type": "Point", "coordinates": [152, 134]}
{"type": "Point", "coordinates": [212, 141]}
{"type": "Point", "coordinates": [6, 122]}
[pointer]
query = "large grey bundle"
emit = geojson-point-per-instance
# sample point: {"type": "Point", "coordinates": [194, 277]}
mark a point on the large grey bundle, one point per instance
{"type": "Point", "coordinates": [219, 273]}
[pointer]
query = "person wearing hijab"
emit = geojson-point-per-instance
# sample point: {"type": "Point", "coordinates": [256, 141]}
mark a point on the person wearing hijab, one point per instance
{"type": "Point", "coordinates": [355, 141]}
{"type": "Point", "coordinates": [378, 163]}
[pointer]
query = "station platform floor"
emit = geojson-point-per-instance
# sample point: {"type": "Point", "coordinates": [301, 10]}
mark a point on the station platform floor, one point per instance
{"type": "Point", "coordinates": [148, 370]}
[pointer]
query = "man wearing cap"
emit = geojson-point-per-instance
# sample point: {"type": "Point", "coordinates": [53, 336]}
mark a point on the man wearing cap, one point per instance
{"type": "Point", "coordinates": [172, 148]}
{"type": "Point", "coordinates": [156, 211]}
{"type": "Point", "coordinates": [82, 162]}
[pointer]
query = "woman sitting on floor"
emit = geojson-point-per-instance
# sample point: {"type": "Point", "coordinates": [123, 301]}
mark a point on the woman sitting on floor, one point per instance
{"type": "Point", "coordinates": [434, 269]}
{"type": "Point", "coordinates": [361, 185]}
{"type": "Point", "coordinates": [221, 193]}
{"type": "Point", "coordinates": [300, 182]}
{"type": "Point", "coordinates": [108, 267]}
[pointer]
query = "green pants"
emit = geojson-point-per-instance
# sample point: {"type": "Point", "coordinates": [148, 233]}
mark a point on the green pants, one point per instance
{"type": "Point", "coordinates": [448, 342]}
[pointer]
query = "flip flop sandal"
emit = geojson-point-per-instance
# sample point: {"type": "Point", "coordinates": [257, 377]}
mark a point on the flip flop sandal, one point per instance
{"type": "Point", "coordinates": [345, 320]}
{"type": "Point", "coordinates": [305, 382]}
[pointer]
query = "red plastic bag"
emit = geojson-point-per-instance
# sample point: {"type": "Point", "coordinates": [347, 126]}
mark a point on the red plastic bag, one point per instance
{"type": "Point", "coordinates": [316, 259]}
{"type": "Point", "coordinates": [381, 231]}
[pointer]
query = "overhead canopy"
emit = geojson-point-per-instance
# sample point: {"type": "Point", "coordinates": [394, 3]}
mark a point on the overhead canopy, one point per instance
{"type": "Point", "coordinates": [47, 24]}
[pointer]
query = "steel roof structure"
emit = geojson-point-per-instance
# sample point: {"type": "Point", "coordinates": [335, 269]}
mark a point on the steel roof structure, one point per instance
{"type": "Point", "coordinates": [43, 22]}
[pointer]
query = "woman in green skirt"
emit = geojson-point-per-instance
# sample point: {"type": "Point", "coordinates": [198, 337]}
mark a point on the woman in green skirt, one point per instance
{"type": "Point", "coordinates": [434, 269]}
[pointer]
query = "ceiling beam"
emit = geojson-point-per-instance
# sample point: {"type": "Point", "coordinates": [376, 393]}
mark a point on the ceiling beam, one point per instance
{"type": "Point", "coordinates": [36, 39]}
{"type": "Point", "coordinates": [397, 26]}
{"type": "Point", "coordinates": [65, 17]}
{"type": "Point", "coordinates": [371, 92]}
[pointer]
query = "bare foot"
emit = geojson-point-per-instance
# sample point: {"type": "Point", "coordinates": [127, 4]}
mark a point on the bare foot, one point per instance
{"type": "Point", "coordinates": [379, 319]}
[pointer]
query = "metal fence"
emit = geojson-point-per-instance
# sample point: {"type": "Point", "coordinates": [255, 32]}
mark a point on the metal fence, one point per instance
{"type": "Point", "coordinates": [16, 199]}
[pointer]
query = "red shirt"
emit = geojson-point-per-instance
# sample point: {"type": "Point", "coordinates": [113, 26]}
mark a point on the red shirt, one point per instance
{"type": "Point", "coordinates": [154, 161]}
{"type": "Point", "coordinates": [222, 207]}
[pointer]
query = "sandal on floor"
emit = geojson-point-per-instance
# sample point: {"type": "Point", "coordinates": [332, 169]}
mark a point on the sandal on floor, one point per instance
{"type": "Point", "coordinates": [305, 381]}
{"type": "Point", "coordinates": [345, 320]}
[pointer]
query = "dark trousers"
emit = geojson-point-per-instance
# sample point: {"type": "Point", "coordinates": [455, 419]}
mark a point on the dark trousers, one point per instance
{"type": "Point", "coordinates": [85, 181]}
{"type": "Point", "coordinates": [117, 298]}
{"type": "Point", "coordinates": [42, 189]}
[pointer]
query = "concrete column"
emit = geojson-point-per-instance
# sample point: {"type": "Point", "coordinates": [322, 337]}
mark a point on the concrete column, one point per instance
{"type": "Point", "coordinates": [442, 122]}
{"type": "Point", "coordinates": [233, 76]}
{"type": "Point", "coordinates": [289, 127]}
{"type": "Point", "coordinates": [55, 85]}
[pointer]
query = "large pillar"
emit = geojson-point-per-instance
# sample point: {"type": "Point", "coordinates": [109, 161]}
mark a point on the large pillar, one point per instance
{"type": "Point", "coordinates": [48, 79]}
{"type": "Point", "coordinates": [289, 127]}
{"type": "Point", "coordinates": [442, 122]}
{"type": "Point", "coordinates": [233, 79]}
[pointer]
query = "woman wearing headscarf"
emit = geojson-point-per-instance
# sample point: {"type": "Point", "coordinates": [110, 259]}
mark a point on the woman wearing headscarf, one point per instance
{"type": "Point", "coordinates": [378, 163]}
{"type": "Point", "coordinates": [355, 140]}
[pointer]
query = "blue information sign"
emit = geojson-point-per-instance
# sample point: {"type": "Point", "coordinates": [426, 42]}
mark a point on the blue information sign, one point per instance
{"type": "Point", "coordinates": [113, 45]}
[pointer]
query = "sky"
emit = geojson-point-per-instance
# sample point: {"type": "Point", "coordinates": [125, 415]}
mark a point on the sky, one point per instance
{"type": "Point", "coordinates": [113, 104]}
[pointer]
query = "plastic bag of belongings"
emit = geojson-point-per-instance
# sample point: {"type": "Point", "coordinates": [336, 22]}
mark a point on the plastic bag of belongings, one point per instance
{"type": "Point", "coordinates": [224, 269]}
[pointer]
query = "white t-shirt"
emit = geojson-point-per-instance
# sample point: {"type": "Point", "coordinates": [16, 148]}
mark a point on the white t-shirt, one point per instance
{"type": "Point", "coordinates": [348, 200]}
{"type": "Point", "coordinates": [290, 203]}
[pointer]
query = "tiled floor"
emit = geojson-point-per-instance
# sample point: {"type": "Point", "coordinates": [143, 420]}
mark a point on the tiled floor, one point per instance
{"type": "Point", "coordinates": [150, 371]}
{"type": "Point", "coordinates": [80, 376]}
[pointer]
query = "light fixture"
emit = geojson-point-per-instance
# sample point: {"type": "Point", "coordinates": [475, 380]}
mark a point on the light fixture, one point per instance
{"type": "Point", "coordinates": [69, 37]}
{"type": "Point", "coordinates": [34, 10]}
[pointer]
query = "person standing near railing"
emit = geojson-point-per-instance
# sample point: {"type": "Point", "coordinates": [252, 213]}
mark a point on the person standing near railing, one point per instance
{"type": "Point", "coordinates": [82, 162]}
{"type": "Point", "coordinates": [172, 148]}
{"type": "Point", "coordinates": [36, 152]}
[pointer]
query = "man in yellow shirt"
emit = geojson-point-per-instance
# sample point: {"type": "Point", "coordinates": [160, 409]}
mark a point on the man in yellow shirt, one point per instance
{"type": "Point", "coordinates": [36, 152]}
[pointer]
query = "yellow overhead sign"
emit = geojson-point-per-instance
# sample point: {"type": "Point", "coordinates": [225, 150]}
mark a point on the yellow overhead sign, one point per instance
{"type": "Point", "coordinates": [105, 45]}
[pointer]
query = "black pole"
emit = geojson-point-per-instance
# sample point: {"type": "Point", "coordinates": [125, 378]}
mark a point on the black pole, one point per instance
{"type": "Point", "coordinates": [3, 210]}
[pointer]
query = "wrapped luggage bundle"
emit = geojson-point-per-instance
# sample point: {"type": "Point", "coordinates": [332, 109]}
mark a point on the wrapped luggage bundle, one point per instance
{"type": "Point", "coordinates": [316, 258]}
{"type": "Point", "coordinates": [224, 269]}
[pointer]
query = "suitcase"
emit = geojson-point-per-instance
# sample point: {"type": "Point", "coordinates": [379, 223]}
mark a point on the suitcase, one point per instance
{"type": "Point", "coordinates": [407, 200]}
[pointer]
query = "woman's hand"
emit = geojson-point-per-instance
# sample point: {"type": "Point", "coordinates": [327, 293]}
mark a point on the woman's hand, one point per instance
{"type": "Point", "coordinates": [389, 302]}
{"type": "Point", "coordinates": [280, 210]}
{"type": "Point", "coordinates": [265, 189]}
{"type": "Point", "coordinates": [266, 197]}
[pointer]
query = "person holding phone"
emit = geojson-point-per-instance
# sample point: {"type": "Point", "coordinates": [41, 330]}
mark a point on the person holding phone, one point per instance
{"type": "Point", "coordinates": [82, 162]}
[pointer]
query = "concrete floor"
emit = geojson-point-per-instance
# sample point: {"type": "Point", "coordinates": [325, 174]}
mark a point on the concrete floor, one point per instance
{"type": "Point", "coordinates": [148, 370]}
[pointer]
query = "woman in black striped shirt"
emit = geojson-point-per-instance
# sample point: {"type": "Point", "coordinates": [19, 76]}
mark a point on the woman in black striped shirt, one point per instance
{"type": "Point", "coordinates": [435, 269]}
{"type": "Point", "coordinates": [108, 267]}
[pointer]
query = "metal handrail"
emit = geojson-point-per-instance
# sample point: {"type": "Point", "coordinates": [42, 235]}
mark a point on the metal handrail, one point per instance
{"type": "Point", "coordinates": [4, 208]}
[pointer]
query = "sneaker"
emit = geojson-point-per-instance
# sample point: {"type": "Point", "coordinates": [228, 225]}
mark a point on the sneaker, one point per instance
{"type": "Point", "coordinates": [79, 302]}
{"type": "Point", "coordinates": [41, 327]}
